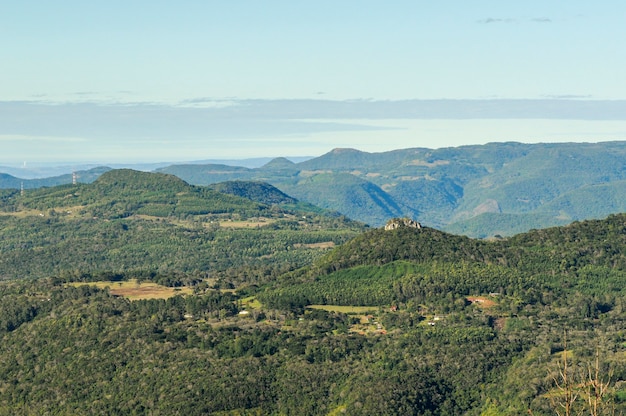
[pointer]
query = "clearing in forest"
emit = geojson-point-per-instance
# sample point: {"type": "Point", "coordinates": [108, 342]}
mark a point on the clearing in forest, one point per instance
{"type": "Point", "coordinates": [482, 301]}
{"type": "Point", "coordinates": [134, 290]}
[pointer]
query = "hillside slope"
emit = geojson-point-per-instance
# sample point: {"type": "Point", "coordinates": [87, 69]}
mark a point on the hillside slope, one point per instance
{"type": "Point", "coordinates": [398, 321]}
{"type": "Point", "coordinates": [480, 190]}
{"type": "Point", "coordinates": [153, 222]}
{"type": "Point", "coordinates": [558, 291]}
{"type": "Point", "coordinates": [520, 186]}
{"type": "Point", "coordinates": [547, 256]}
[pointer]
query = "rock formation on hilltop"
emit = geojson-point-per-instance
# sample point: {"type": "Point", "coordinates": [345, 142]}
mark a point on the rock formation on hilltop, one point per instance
{"type": "Point", "coordinates": [394, 223]}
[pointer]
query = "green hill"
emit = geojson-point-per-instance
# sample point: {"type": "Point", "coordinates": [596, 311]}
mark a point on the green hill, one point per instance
{"type": "Point", "coordinates": [357, 197]}
{"type": "Point", "coordinates": [255, 191]}
{"type": "Point", "coordinates": [405, 320]}
{"type": "Point", "coordinates": [592, 242]}
{"type": "Point", "coordinates": [150, 222]}
{"type": "Point", "coordinates": [449, 188]}
{"type": "Point", "coordinates": [480, 190]}
{"type": "Point", "coordinates": [280, 164]}
{"type": "Point", "coordinates": [208, 174]}
{"type": "Point", "coordinates": [353, 273]}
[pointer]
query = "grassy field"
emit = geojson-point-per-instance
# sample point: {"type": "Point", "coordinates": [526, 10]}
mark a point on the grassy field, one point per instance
{"type": "Point", "coordinates": [251, 302]}
{"type": "Point", "coordinates": [326, 244]}
{"type": "Point", "coordinates": [482, 301]}
{"type": "Point", "coordinates": [134, 290]}
{"type": "Point", "coordinates": [70, 212]}
{"type": "Point", "coordinates": [246, 223]}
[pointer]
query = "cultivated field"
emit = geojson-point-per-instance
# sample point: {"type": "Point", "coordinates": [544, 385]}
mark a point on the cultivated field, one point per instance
{"type": "Point", "coordinates": [251, 223]}
{"type": "Point", "coordinates": [135, 290]}
{"type": "Point", "coordinates": [482, 301]}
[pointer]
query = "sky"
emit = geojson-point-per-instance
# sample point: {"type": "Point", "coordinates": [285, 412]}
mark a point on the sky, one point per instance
{"type": "Point", "coordinates": [150, 81]}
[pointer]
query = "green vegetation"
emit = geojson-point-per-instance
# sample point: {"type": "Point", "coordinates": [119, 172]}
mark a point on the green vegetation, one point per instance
{"type": "Point", "coordinates": [345, 309]}
{"type": "Point", "coordinates": [520, 186]}
{"type": "Point", "coordinates": [479, 191]}
{"type": "Point", "coordinates": [129, 221]}
{"type": "Point", "coordinates": [269, 320]}
{"type": "Point", "coordinates": [255, 191]}
{"type": "Point", "coordinates": [536, 290]}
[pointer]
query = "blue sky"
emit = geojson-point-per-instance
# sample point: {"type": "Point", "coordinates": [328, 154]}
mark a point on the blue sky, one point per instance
{"type": "Point", "coordinates": [122, 81]}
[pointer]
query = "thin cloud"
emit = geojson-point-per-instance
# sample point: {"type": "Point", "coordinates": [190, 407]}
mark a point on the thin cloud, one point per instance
{"type": "Point", "coordinates": [495, 20]}
{"type": "Point", "coordinates": [52, 139]}
{"type": "Point", "coordinates": [568, 97]}
{"type": "Point", "coordinates": [207, 102]}
{"type": "Point", "coordinates": [490, 20]}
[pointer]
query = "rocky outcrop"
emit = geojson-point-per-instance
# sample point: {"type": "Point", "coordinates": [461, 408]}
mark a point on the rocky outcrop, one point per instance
{"type": "Point", "coordinates": [394, 223]}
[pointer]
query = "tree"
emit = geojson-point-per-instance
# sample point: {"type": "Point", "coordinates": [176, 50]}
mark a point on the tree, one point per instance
{"type": "Point", "coordinates": [565, 397]}
{"type": "Point", "coordinates": [597, 387]}
{"type": "Point", "coordinates": [584, 391]}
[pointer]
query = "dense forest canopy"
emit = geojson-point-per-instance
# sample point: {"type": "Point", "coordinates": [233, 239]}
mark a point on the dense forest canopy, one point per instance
{"type": "Point", "coordinates": [276, 307]}
{"type": "Point", "coordinates": [136, 221]}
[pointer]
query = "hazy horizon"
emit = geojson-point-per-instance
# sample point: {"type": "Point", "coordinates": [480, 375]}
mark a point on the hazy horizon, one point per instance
{"type": "Point", "coordinates": [148, 133]}
{"type": "Point", "coordinates": [142, 82]}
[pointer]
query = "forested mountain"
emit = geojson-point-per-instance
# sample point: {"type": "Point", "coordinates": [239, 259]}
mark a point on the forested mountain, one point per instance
{"type": "Point", "coordinates": [255, 191]}
{"type": "Point", "coordinates": [480, 191]}
{"type": "Point", "coordinates": [152, 222]}
{"type": "Point", "coordinates": [403, 320]}
{"type": "Point", "coordinates": [515, 186]}
{"type": "Point", "coordinates": [271, 306]}
{"type": "Point", "coordinates": [556, 294]}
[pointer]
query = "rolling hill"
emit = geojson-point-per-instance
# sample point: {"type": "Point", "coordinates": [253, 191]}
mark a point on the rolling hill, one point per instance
{"type": "Point", "coordinates": [129, 221]}
{"type": "Point", "coordinates": [404, 320]}
{"type": "Point", "coordinates": [516, 186]}
{"type": "Point", "coordinates": [480, 191]}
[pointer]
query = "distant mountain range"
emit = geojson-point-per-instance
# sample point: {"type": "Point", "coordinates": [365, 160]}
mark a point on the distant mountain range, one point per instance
{"type": "Point", "coordinates": [481, 191]}
{"type": "Point", "coordinates": [46, 170]}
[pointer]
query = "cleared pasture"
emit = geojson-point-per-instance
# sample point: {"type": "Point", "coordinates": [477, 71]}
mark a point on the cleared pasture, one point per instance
{"type": "Point", "coordinates": [135, 290]}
